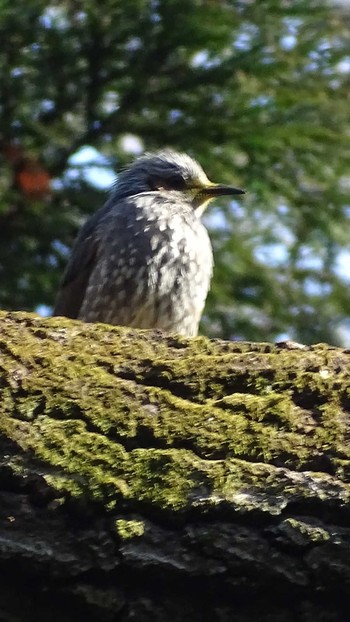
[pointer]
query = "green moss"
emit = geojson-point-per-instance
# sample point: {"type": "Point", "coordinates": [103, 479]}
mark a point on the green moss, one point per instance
{"type": "Point", "coordinates": [120, 416]}
{"type": "Point", "coordinates": [304, 534]}
{"type": "Point", "coordinates": [128, 529]}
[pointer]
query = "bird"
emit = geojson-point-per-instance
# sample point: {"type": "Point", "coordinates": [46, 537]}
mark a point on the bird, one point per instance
{"type": "Point", "coordinates": [144, 259]}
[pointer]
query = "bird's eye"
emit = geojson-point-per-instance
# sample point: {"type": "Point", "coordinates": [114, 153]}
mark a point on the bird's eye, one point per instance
{"type": "Point", "coordinates": [155, 184]}
{"type": "Point", "coordinates": [177, 183]}
{"type": "Point", "coordinates": [169, 183]}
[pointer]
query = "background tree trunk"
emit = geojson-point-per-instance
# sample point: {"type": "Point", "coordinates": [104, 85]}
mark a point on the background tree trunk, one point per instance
{"type": "Point", "coordinates": [149, 477]}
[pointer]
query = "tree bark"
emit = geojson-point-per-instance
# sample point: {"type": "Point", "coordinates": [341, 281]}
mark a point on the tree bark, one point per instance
{"type": "Point", "coordinates": [150, 477]}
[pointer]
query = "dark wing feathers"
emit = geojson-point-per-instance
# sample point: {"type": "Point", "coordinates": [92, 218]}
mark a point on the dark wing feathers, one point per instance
{"type": "Point", "coordinates": [78, 271]}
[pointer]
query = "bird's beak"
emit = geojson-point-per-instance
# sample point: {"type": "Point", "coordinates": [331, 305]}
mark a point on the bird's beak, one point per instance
{"type": "Point", "coordinates": [209, 191]}
{"type": "Point", "coordinates": [218, 190]}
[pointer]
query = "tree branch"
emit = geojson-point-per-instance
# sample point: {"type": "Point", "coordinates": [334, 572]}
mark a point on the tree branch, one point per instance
{"type": "Point", "coordinates": [145, 476]}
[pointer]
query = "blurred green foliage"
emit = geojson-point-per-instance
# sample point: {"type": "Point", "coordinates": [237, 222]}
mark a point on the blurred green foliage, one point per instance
{"type": "Point", "coordinates": [258, 92]}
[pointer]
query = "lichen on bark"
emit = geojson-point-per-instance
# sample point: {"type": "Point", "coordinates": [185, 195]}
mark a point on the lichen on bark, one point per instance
{"type": "Point", "coordinates": [194, 457]}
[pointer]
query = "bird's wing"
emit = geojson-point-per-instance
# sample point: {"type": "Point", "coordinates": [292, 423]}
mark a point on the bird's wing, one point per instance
{"type": "Point", "coordinates": [78, 271]}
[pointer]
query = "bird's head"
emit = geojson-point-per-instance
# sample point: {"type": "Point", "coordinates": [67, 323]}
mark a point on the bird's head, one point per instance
{"type": "Point", "coordinates": [168, 170]}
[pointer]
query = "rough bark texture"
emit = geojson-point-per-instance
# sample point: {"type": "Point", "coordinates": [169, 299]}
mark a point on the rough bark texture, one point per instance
{"type": "Point", "coordinates": [148, 477]}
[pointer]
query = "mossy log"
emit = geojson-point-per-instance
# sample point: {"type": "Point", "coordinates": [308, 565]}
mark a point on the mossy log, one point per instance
{"type": "Point", "coordinates": [150, 477]}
